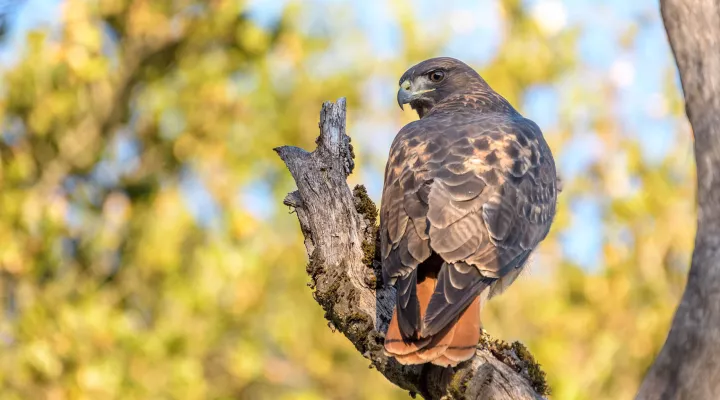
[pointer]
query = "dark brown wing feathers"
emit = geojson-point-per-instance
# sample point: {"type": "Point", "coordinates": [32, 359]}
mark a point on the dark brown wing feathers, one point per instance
{"type": "Point", "coordinates": [469, 194]}
{"type": "Point", "coordinates": [398, 344]}
{"type": "Point", "coordinates": [457, 286]}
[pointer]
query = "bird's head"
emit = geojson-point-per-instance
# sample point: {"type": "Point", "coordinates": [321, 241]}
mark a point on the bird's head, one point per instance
{"type": "Point", "coordinates": [431, 81]}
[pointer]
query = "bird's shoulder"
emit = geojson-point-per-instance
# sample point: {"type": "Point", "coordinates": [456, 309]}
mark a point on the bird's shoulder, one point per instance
{"type": "Point", "coordinates": [509, 144]}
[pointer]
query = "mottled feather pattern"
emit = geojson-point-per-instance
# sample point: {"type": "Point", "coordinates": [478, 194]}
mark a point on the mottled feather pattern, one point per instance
{"type": "Point", "coordinates": [470, 190]}
{"type": "Point", "coordinates": [490, 199]}
{"type": "Point", "coordinates": [490, 178]}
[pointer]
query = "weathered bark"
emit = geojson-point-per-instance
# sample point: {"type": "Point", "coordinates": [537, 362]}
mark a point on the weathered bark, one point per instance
{"type": "Point", "coordinates": [688, 366]}
{"type": "Point", "coordinates": [341, 236]}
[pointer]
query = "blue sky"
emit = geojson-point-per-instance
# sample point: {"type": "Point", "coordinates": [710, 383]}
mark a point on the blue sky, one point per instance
{"type": "Point", "coordinates": [28, 15]}
{"type": "Point", "coordinates": [639, 73]}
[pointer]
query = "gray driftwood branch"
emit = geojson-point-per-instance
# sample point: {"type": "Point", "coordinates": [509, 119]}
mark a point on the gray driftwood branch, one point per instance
{"type": "Point", "coordinates": [688, 366]}
{"type": "Point", "coordinates": [339, 226]}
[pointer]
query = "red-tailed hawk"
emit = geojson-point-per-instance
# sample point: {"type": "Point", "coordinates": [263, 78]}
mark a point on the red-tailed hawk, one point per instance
{"type": "Point", "coordinates": [470, 190]}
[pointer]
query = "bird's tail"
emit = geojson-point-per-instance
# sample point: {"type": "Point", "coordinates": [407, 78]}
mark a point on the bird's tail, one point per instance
{"type": "Point", "coordinates": [453, 344]}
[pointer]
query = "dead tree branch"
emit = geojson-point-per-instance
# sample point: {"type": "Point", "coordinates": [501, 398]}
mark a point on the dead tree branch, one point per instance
{"type": "Point", "coordinates": [688, 365]}
{"type": "Point", "coordinates": [340, 236]}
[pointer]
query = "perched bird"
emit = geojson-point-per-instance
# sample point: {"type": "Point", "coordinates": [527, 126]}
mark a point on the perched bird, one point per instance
{"type": "Point", "coordinates": [470, 189]}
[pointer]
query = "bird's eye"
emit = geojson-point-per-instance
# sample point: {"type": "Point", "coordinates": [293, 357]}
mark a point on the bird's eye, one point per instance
{"type": "Point", "coordinates": [436, 76]}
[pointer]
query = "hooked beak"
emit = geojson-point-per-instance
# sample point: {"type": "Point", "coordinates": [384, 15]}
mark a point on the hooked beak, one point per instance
{"type": "Point", "coordinates": [405, 94]}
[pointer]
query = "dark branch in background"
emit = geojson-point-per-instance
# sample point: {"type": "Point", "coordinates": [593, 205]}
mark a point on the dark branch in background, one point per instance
{"type": "Point", "coordinates": [341, 237]}
{"type": "Point", "coordinates": [688, 366]}
{"type": "Point", "coordinates": [7, 11]}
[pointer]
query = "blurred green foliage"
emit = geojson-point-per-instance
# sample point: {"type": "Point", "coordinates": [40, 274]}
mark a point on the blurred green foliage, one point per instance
{"type": "Point", "coordinates": [114, 285]}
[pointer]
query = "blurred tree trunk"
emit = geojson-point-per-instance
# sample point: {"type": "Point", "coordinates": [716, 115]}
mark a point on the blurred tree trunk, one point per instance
{"type": "Point", "coordinates": [341, 237]}
{"type": "Point", "coordinates": [688, 366]}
